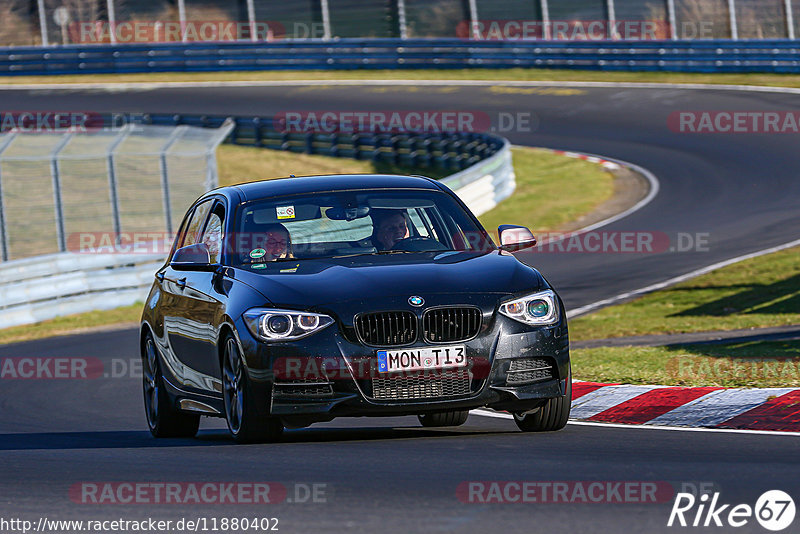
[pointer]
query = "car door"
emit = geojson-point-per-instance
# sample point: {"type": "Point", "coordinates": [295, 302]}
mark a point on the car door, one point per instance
{"type": "Point", "coordinates": [189, 308]}
{"type": "Point", "coordinates": [204, 302]}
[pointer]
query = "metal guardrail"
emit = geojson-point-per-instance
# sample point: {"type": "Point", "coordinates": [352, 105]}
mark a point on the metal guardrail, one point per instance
{"type": "Point", "coordinates": [44, 287]}
{"type": "Point", "coordinates": [683, 56]}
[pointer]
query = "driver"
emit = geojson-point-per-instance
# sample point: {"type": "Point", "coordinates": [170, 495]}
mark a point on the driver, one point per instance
{"type": "Point", "coordinates": [388, 227]}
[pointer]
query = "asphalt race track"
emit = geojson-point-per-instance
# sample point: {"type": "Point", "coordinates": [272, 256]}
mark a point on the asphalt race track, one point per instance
{"type": "Point", "coordinates": [391, 475]}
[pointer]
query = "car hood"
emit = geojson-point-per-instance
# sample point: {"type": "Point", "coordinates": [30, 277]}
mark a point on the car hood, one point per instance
{"type": "Point", "coordinates": [310, 284]}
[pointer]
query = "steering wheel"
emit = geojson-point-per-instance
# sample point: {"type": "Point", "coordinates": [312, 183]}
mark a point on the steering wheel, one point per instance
{"type": "Point", "coordinates": [418, 244]}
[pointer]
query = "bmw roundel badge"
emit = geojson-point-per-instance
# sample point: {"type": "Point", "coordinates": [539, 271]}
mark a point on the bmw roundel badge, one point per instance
{"type": "Point", "coordinates": [416, 301]}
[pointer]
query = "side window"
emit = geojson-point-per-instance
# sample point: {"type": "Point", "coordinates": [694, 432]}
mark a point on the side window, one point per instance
{"type": "Point", "coordinates": [423, 229]}
{"type": "Point", "coordinates": [192, 233]}
{"type": "Point", "coordinates": [212, 236]}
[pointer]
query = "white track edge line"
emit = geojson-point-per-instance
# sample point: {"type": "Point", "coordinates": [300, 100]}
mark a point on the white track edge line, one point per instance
{"type": "Point", "coordinates": [477, 83]}
{"type": "Point", "coordinates": [498, 415]}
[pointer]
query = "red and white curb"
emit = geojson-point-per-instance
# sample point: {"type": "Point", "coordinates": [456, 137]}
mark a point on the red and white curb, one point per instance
{"type": "Point", "coordinates": [706, 407]}
{"type": "Point", "coordinates": [608, 164]}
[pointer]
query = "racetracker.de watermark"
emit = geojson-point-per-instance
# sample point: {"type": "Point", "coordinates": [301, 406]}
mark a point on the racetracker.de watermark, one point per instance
{"type": "Point", "coordinates": [207, 493]}
{"type": "Point", "coordinates": [603, 242]}
{"type": "Point", "coordinates": [621, 242]}
{"type": "Point", "coordinates": [64, 121]}
{"type": "Point", "coordinates": [159, 31]}
{"type": "Point", "coordinates": [382, 121]}
{"type": "Point", "coordinates": [561, 30]}
{"type": "Point", "coordinates": [51, 368]}
{"type": "Point", "coordinates": [564, 492]}
{"type": "Point", "coordinates": [583, 30]}
{"type": "Point", "coordinates": [734, 122]}
{"type": "Point", "coordinates": [742, 370]}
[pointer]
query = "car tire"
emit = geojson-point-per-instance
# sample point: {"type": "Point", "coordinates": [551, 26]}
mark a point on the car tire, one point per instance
{"type": "Point", "coordinates": [452, 418]}
{"type": "Point", "coordinates": [245, 424]}
{"type": "Point", "coordinates": [163, 419]}
{"type": "Point", "coordinates": [553, 415]}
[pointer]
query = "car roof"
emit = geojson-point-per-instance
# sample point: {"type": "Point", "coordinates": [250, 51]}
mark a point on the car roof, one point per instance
{"type": "Point", "coordinates": [323, 183]}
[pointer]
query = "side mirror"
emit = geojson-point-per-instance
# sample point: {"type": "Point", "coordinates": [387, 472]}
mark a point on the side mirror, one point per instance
{"type": "Point", "coordinates": [193, 258]}
{"type": "Point", "coordinates": [513, 238]}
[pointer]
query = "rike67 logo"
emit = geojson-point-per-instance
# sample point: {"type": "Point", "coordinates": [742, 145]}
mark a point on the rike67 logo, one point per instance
{"type": "Point", "coordinates": [774, 510]}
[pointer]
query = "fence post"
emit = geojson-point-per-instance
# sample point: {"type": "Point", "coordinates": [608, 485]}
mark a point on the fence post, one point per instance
{"type": "Point", "coordinates": [112, 181]}
{"type": "Point", "coordinates": [401, 18]}
{"type": "Point", "coordinates": [732, 16]}
{"type": "Point", "coordinates": [326, 20]}
{"type": "Point", "coordinates": [164, 176]}
{"type": "Point", "coordinates": [251, 20]}
{"type": "Point", "coordinates": [4, 144]}
{"type": "Point", "coordinates": [59, 205]}
{"type": "Point", "coordinates": [673, 21]}
{"type": "Point", "coordinates": [43, 23]}
{"type": "Point", "coordinates": [612, 20]}
{"type": "Point", "coordinates": [112, 21]}
{"type": "Point", "coordinates": [545, 9]}
{"type": "Point", "coordinates": [474, 33]}
{"type": "Point", "coordinates": [182, 18]}
{"type": "Point", "coordinates": [789, 18]}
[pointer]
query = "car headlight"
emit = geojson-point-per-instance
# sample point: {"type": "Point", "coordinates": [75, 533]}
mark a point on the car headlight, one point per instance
{"type": "Point", "coordinates": [284, 325]}
{"type": "Point", "coordinates": [536, 309]}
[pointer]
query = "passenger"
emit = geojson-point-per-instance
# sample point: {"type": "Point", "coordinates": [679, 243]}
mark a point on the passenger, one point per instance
{"type": "Point", "coordinates": [388, 227]}
{"type": "Point", "coordinates": [277, 242]}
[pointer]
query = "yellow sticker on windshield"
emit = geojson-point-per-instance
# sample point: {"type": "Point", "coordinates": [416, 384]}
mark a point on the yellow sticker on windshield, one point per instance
{"type": "Point", "coordinates": [285, 212]}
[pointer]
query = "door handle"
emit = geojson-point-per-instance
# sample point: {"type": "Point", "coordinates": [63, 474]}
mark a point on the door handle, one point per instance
{"type": "Point", "coordinates": [160, 276]}
{"type": "Point", "coordinates": [182, 283]}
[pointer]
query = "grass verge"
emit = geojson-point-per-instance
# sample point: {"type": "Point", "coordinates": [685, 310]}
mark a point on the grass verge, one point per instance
{"type": "Point", "coordinates": [541, 181]}
{"type": "Point", "coordinates": [550, 75]}
{"type": "Point", "coordinates": [72, 324]}
{"type": "Point", "coordinates": [751, 364]}
{"type": "Point", "coordinates": [759, 292]}
{"type": "Point", "coordinates": [552, 190]}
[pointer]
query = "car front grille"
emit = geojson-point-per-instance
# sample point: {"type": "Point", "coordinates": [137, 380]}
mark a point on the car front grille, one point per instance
{"type": "Point", "coordinates": [446, 325]}
{"type": "Point", "coordinates": [386, 329]}
{"type": "Point", "coordinates": [528, 370]}
{"type": "Point", "coordinates": [454, 383]}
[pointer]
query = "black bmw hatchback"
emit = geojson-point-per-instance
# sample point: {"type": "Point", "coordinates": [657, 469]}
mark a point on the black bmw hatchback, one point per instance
{"type": "Point", "coordinates": [293, 301]}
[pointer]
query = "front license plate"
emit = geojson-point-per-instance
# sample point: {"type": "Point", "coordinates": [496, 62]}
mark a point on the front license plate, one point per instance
{"type": "Point", "coordinates": [390, 361]}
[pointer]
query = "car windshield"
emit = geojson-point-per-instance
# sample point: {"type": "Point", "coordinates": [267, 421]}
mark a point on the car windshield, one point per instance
{"type": "Point", "coordinates": [352, 223]}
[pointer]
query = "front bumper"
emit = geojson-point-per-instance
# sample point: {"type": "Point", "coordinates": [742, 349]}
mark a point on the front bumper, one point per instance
{"type": "Point", "coordinates": [339, 373]}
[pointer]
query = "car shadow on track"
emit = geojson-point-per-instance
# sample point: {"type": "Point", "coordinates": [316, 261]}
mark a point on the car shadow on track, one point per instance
{"type": "Point", "coordinates": [128, 439]}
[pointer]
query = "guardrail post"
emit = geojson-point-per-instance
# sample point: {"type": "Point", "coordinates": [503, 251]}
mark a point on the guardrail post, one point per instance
{"type": "Point", "coordinates": [787, 9]}
{"type": "Point", "coordinates": [164, 177]}
{"type": "Point", "coordinates": [4, 144]}
{"type": "Point", "coordinates": [55, 172]}
{"type": "Point", "coordinates": [545, 9]}
{"type": "Point", "coordinates": [112, 21]}
{"type": "Point", "coordinates": [611, 15]}
{"type": "Point", "coordinates": [326, 20]}
{"type": "Point", "coordinates": [474, 32]}
{"type": "Point", "coordinates": [732, 16]}
{"type": "Point", "coordinates": [43, 23]}
{"type": "Point", "coordinates": [401, 19]}
{"type": "Point", "coordinates": [673, 21]}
